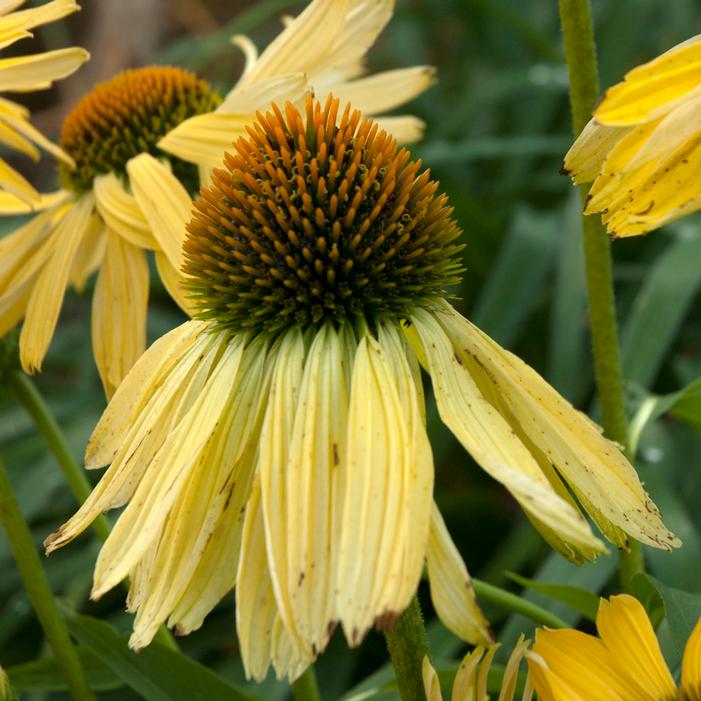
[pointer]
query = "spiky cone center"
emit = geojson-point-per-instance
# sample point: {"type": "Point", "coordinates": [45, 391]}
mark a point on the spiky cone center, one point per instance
{"type": "Point", "coordinates": [318, 216]}
{"type": "Point", "coordinates": [128, 115]}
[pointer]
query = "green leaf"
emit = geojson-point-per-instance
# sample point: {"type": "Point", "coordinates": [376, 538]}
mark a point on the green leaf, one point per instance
{"type": "Point", "coordinates": [577, 598]}
{"type": "Point", "coordinates": [156, 673]}
{"type": "Point", "coordinates": [684, 405]}
{"type": "Point", "coordinates": [682, 610]}
{"type": "Point", "coordinates": [517, 281]}
{"type": "Point", "coordinates": [45, 675]}
{"type": "Point", "coordinates": [659, 309]}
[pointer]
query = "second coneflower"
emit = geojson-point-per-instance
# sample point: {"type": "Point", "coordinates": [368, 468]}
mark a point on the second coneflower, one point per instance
{"type": "Point", "coordinates": [120, 197]}
{"type": "Point", "coordinates": [277, 441]}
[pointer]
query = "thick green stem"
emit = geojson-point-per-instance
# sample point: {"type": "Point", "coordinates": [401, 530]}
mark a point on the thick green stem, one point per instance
{"type": "Point", "coordinates": [512, 602]}
{"type": "Point", "coordinates": [406, 642]}
{"type": "Point", "coordinates": [580, 49]}
{"type": "Point", "coordinates": [306, 687]}
{"type": "Point", "coordinates": [28, 395]}
{"type": "Point", "coordinates": [39, 591]}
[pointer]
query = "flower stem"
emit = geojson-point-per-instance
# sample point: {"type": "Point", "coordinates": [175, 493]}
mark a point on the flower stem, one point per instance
{"type": "Point", "coordinates": [580, 49]}
{"type": "Point", "coordinates": [306, 687]}
{"type": "Point", "coordinates": [26, 392]}
{"type": "Point", "coordinates": [39, 591]}
{"type": "Point", "coordinates": [406, 642]}
{"type": "Point", "coordinates": [512, 602]}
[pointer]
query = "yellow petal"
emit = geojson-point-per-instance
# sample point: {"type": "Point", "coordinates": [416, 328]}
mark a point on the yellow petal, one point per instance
{"type": "Point", "coordinates": [50, 286]}
{"type": "Point", "coordinates": [384, 91]}
{"type": "Point", "coordinates": [15, 184]}
{"type": "Point", "coordinates": [432, 687]}
{"type": "Point", "coordinates": [451, 587]}
{"type": "Point", "coordinates": [405, 129]}
{"type": "Point", "coordinates": [375, 487]}
{"type": "Point", "coordinates": [120, 305]}
{"type": "Point", "coordinates": [465, 684]}
{"type": "Point", "coordinates": [487, 436]}
{"type": "Point", "coordinates": [22, 126]}
{"type": "Point", "coordinates": [10, 204]}
{"type": "Point", "coordinates": [166, 475]}
{"type": "Point", "coordinates": [36, 16]}
{"type": "Point", "coordinates": [174, 282]}
{"type": "Point", "coordinates": [586, 156]}
{"type": "Point", "coordinates": [121, 212]}
{"type": "Point", "coordinates": [628, 635]}
{"type": "Point", "coordinates": [164, 202]}
{"type": "Point", "coordinates": [654, 87]}
{"type": "Point", "coordinates": [590, 463]}
{"type": "Point", "coordinates": [38, 71]}
{"type": "Point", "coordinates": [691, 665]}
{"type": "Point", "coordinates": [292, 51]}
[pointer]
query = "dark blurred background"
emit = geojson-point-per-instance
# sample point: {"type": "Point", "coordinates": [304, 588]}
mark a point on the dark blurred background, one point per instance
{"type": "Point", "coordinates": [497, 129]}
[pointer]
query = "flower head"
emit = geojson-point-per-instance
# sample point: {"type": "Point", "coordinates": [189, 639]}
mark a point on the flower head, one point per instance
{"type": "Point", "coordinates": [24, 73]}
{"type": "Point", "coordinates": [121, 197]}
{"type": "Point", "coordinates": [277, 442]}
{"type": "Point", "coordinates": [322, 49]}
{"type": "Point", "coordinates": [641, 149]}
{"type": "Point", "coordinates": [471, 678]}
{"type": "Point", "coordinates": [625, 663]}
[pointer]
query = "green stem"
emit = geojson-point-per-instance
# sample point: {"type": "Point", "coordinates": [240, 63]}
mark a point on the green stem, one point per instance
{"type": "Point", "coordinates": [26, 392]}
{"type": "Point", "coordinates": [406, 642]}
{"type": "Point", "coordinates": [39, 591]}
{"type": "Point", "coordinates": [28, 395]}
{"type": "Point", "coordinates": [512, 602]}
{"type": "Point", "coordinates": [306, 687]}
{"type": "Point", "coordinates": [580, 49]}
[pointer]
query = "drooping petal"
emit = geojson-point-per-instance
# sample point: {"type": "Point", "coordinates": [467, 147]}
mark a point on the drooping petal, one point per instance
{"type": "Point", "coordinates": [120, 305]}
{"type": "Point", "coordinates": [432, 686]}
{"type": "Point", "coordinates": [121, 212]}
{"type": "Point", "coordinates": [451, 587]}
{"type": "Point", "coordinates": [630, 640]}
{"type": "Point", "coordinates": [174, 282]}
{"type": "Point", "coordinates": [487, 436]}
{"type": "Point", "coordinates": [164, 203]}
{"type": "Point", "coordinates": [88, 257]}
{"type": "Point", "coordinates": [591, 464]}
{"type": "Point", "coordinates": [10, 204]}
{"type": "Point", "coordinates": [406, 129]}
{"type": "Point", "coordinates": [166, 475]}
{"type": "Point", "coordinates": [586, 156]}
{"type": "Point", "coordinates": [374, 484]}
{"type": "Point", "coordinates": [50, 286]}
{"type": "Point", "coordinates": [37, 72]}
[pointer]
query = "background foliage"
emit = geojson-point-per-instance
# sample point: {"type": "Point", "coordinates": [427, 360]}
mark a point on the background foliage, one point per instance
{"type": "Point", "coordinates": [498, 125]}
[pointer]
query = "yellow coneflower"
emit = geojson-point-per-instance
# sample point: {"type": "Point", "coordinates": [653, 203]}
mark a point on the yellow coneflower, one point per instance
{"type": "Point", "coordinates": [25, 73]}
{"type": "Point", "coordinates": [624, 664]}
{"type": "Point", "coordinates": [120, 197]}
{"type": "Point", "coordinates": [277, 441]}
{"type": "Point", "coordinates": [641, 149]}
{"type": "Point", "coordinates": [471, 678]}
{"type": "Point", "coordinates": [326, 44]}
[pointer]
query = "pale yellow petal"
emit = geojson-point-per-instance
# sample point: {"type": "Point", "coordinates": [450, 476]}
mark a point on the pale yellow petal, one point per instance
{"type": "Point", "coordinates": [22, 126]}
{"type": "Point", "coordinates": [38, 71]}
{"type": "Point", "coordinates": [88, 257]}
{"type": "Point", "coordinates": [451, 587]}
{"type": "Point", "coordinates": [166, 476]}
{"type": "Point", "coordinates": [691, 665]}
{"type": "Point", "coordinates": [120, 304]}
{"type": "Point", "coordinates": [630, 640]}
{"type": "Point", "coordinates": [121, 212]}
{"type": "Point", "coordinates": [164, 202]}
{"type": "Point", "coordinates": [10, 204]}
{"type": "Point", "coordinates": [374, 485]}
{"type": "Point", "coordinates": [174, 282]}
{"type": "Point", "coordinates": [15, 183]}
{"type": "Point", "coordinates": [384, 91]}
{"type": "Point", "coordinates": [432, 687]}
{"type": "Point", "coordinates": [316, 449]}
{"type": "Point", "coordinates": [50, 286]}
{"type": "Point", "coordinates": [487, 436]}
{"type": "Point", "coordinates": [654, 87]}
{"type": "Point", "coordinates": [9, 137]}
{"type": "Point", "coordinates": [591, 464]}
{"type": "Point", "coordinates": [42, 14]}
{"type": "Point", "coordinates": [405, 129]}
